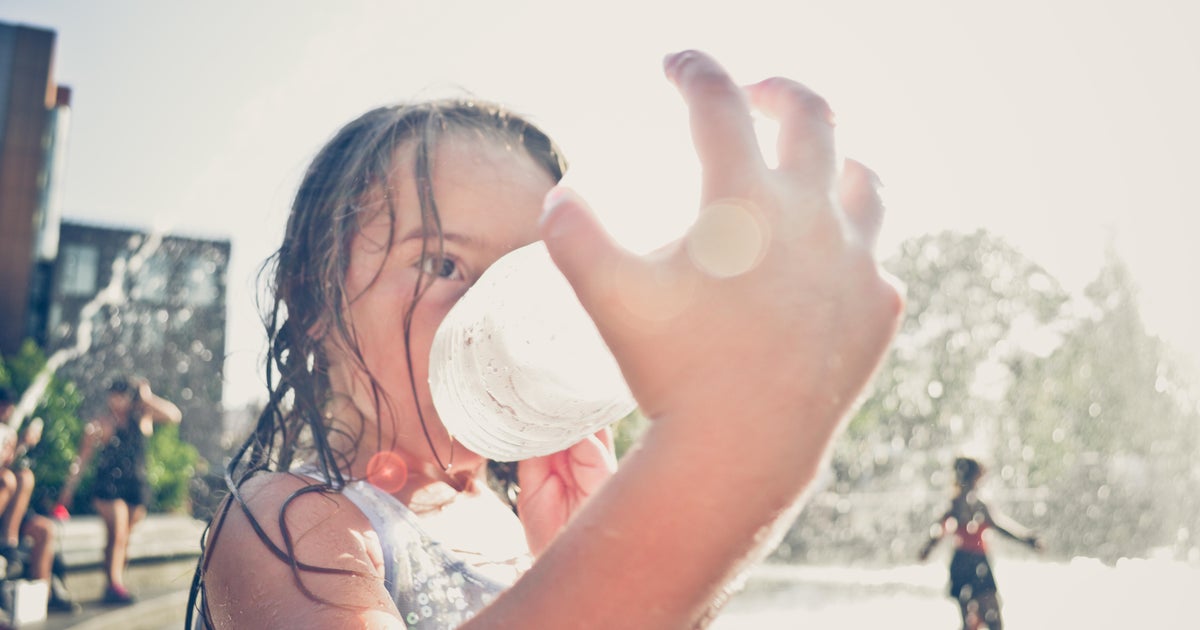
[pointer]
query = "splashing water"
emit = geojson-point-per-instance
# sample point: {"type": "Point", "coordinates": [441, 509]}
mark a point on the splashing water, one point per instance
{"type": "Point", "coordinates": [111, 294]}
{"type": "Point", "coordinates": [1036, 594]}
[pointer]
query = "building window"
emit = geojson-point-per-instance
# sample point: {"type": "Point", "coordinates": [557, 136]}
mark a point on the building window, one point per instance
{"type": "Point", "coordinates": [79, 266]}
{"type": "Point", "coordinates": [151, 279]}
{"type": "Point", "coordinates": [55, 319]}
{"type": "Point", "coordinates": [200, 282]}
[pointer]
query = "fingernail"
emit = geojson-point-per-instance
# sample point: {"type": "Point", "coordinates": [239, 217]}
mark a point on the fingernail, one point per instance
{"type": "Point", "coordinates": [871, 176]}
{"type": "Point", "coordinates": [554, 200]}
{"type": "Point", "coordinates": [670, 61]}
{"type": "Point", "coordinates": [875, 179]}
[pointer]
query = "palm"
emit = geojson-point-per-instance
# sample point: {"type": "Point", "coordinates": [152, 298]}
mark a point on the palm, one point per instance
{"type": "Point", "coordinates": [554, 486]}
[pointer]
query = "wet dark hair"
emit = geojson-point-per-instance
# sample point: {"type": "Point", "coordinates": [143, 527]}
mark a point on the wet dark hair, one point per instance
{"type": "Point", "coordinates": [127, 386]}
{"type": "Point", "coordinates": [308, 295]}
{"type": "Point", "coordinates": [7, 397]}
{"type": "Point", "coordinates": [967, 471]}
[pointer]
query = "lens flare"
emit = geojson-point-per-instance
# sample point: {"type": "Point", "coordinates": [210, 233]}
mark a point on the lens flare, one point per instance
{"type": "Point", "coordinates": [387, 471]}
{"type": "Point", "coordinates": [728, 239]}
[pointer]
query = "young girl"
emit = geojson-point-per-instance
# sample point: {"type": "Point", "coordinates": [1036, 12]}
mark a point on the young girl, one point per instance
{"type": "Point", "coordinates": [121, 492]}
{"type": "Point", "coordinates": [971, 580]}
{"type": "Point", "coordinates": [387, 522]}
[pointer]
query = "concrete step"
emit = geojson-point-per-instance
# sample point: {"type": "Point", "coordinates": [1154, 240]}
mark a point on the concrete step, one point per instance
{"type": "Point", "coordinates": [162, 553]}
{"type": "Point", "coordinates": [158, 537]}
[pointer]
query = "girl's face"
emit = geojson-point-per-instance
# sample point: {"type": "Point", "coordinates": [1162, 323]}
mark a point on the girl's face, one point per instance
{"type": "Point", "coordinates": [120, 403]}
{"type": "Point", "coordinates": [489, 199]}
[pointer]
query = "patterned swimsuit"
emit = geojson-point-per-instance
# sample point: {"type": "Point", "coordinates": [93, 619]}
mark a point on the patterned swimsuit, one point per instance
{"type": "Point", "coordinates": [431, 587]}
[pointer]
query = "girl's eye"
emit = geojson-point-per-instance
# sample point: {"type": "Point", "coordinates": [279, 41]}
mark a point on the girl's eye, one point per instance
{"type": "Point", "coordinates": [445, 268]}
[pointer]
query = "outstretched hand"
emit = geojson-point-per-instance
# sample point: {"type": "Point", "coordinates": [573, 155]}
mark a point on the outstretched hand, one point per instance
{"type": "Point", "coordinates": [554, 486]}
{"type": "Point", "coordinates": [745, 343]}
{"type": "Point", "coordinates": [772, 309]}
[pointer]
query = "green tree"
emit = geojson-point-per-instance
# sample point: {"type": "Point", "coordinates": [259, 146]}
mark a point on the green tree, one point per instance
{"type": "Point", "coordinates": [170, 467]}
{"type": "Point", "coordinates": [972, 301]}
{"type": "Point", "coordinates": [628, 430]}
{"type": "Point", "coordinates": [1085, 419]}
{"type": "Point", "coordinates": [1112, 426]}
{"type": "Point", "coordinates": [59, 411]}
{"type": "Point", "coordinates": [975, 305]}
{"type": "Point", "coordinates": [171, 464]}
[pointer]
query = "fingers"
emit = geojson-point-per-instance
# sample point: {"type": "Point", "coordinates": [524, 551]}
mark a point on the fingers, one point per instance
{"type": "Point", "coordinates": [531, 470]}
{"type": "Point", "coordinates": [594, 462]}
{"type": "Point", "coordinates": [722, 129]}
{"type": "Point", "coordinates": [858, 191]}
{"type": "Point", "coordinates": [806, 143]}
{"type": "Point", "coordinates": [605, 436]}
{"type": "Point", "coordinates": [584, 252]}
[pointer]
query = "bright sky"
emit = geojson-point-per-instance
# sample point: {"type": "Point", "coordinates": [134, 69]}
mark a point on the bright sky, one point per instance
{"type": "Point", "coordinates": [1060, 125]}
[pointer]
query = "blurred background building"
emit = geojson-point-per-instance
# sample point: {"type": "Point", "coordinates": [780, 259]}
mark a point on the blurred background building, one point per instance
{"type": "Point", "coordinates": [163, 319]}
{"type": "Point", "coordinates": [34, 116]}
{"type": "Point", "coordinates": [137, 303]}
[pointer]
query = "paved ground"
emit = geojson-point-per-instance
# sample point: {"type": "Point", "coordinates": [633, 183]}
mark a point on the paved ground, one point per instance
{"type": "Point", "coordinates": [1081, 593]}
{"type": "Point", "coordinates": [163, 551]}
{"type": "Point", "coordinates": [154, 610]}
{"type": "Point", "coordinates": [1037, 595]}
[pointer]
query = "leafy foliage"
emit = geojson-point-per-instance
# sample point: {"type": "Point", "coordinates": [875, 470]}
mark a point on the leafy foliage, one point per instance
{"type": "Point", "coordinates": [1082, 416]}
{"type": "Point", "coordinates": [170, 466]}
{"type": "Point", "coordinates": [1112, 430]}
{"type": "Point", "coordinates": [171, 463]}
{"type": "Point", "coordinates": [627, 430]}
{"type": "Point", "coordinates": [62, 428]}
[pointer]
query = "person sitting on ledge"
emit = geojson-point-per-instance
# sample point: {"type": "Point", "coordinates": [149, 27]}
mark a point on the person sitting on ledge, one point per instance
{"type": "Point", "coordinates": [17, 521]}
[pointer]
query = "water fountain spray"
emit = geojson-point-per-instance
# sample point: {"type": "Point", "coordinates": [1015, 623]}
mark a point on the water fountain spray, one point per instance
{"type": "Point", "coordinates": [112, 294]}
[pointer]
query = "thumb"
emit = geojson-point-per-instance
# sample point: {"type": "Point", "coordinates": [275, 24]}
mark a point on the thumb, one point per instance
{"type": "Point", "coordinates": [581, 248]}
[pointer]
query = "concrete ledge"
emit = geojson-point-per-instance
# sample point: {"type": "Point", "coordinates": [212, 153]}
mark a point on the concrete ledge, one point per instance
{"type": "Point", "coordinates": [160, 537]}
{"type": "Point", "coordinates": [163, 551]}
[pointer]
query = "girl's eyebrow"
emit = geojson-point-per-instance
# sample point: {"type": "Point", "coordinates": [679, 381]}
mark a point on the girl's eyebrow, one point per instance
{"type": "Point", "coordinates": [421, 233]}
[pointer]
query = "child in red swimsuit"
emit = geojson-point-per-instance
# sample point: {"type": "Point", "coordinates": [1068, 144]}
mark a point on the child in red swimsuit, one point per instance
{"type": "Point", "coordinates": [971, 580]}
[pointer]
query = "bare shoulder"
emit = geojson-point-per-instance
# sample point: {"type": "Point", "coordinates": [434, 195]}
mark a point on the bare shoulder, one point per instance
{"type": "Point", "coordinates": [338, 577]}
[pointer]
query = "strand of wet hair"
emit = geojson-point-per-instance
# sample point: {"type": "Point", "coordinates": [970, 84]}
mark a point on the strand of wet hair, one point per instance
{"type": "Point", "coordinates": [421, 174]}
{"type": "Point", "coordinates": [298, 566]}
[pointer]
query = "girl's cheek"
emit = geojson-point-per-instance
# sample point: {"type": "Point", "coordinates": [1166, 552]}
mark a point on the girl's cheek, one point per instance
{"type": "Point", "coordinates": [440, 298]}
{"type": "Point", "coordinates": [430, 313]}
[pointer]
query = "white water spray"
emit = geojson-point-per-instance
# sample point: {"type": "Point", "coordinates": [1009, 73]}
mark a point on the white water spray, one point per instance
{"type": "Point", "coordinates": [111, 294]}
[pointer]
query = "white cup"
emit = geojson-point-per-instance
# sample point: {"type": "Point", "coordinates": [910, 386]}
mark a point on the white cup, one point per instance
{"type": "Point", "coordinates": [518, 369]}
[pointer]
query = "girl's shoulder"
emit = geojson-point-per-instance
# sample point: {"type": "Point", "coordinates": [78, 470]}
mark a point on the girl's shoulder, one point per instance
{"type": "Point", "coordinates": [321, 529]}
{"type": "Point", "coordinates": [312, 508]}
